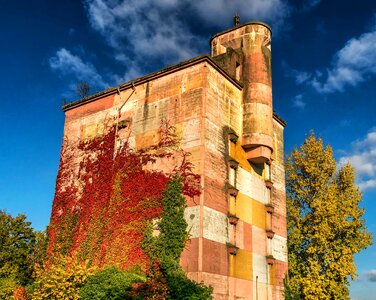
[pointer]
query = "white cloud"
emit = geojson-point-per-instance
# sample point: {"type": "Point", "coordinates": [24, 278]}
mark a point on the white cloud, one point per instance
{"type": "Point", "coordinates": [363, 158]}
{"type": "Point", "coordinates": [145, 35]}
{"type": "Point", "coordinates": [145, 32]}
{"type": "Point", "coordinates": [366, 185]}
{"type": "Point", "coordinates": [298, 102]}
{"type": "Point", "coordinates": [353, 64]}
{"type": "Point", "coordinates": [371, 275]}
{"type": "Point", "coordinates": [70, 64]}
{"type": "Point", "coordinates": [299, 76]}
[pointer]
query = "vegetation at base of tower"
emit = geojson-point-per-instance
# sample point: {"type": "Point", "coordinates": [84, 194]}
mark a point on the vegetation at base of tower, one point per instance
{"type": "Point", "coordinates": [166, 247]}
{"type": "Point", "coordinates": [164, 277]}
{"type": "Point", "coordinates": [172, 235]}
{"type": "Point", "coordinates": [325, 225]}
{"type": "Point", "coordinates": [110, 284]}
{"type": "Point", "coordinates": [60, 278]}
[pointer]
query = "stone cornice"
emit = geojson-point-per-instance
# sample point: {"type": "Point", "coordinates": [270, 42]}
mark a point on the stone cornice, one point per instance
{"type": "Point", "coordinates": [152, 76]}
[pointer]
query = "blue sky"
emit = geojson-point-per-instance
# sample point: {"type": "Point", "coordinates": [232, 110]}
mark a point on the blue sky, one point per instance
{"type": "Point", "coordinates": [324, 79]}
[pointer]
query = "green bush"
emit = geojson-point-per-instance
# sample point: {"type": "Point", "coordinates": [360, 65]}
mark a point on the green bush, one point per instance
{"type": "Point", "coordinates": [7, 286]}
{"type": "Point", "coordinates": [167, 247]}
{"type": "Point", "coordinates": [181, 287]}
{"type": "Point", "coordinates": [110, 284]}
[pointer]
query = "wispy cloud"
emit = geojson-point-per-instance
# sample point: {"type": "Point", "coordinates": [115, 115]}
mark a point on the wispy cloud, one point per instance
{"type": "Point", "coordinates": [352, 64]}
{"type": "Point", "coordinates": [371, 275]}
{"type": "Point", "coordinates": [146, 33]}
{"type": "Point", "coordinates": [363, 157]}
{"type": "Point", "coordinates": [142, 32]}
{"type": "Point", "coordinates": [69, 64]}
{"type": "Point", "coordinates": [299, 76]}
{"type": "Point", "coordinates": [298, 102]}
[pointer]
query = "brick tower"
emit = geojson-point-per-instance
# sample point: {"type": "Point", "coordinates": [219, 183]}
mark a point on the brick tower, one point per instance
{"type": "Point", "coordinates": [221, 105]}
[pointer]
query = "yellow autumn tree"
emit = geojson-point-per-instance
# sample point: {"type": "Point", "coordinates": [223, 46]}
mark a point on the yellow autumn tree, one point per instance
{"type": "Point", "coordinates": [60, 278]}
{"type": "Point", "coordinates": [325, 225]}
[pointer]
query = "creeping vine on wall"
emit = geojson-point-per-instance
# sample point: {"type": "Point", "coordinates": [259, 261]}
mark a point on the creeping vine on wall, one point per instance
{"type": "Point", "coordinates": [102, 205]}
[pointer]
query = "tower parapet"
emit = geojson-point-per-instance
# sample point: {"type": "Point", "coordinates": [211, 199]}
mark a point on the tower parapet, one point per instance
{"type": "Point", "coordinates": [244, 51]}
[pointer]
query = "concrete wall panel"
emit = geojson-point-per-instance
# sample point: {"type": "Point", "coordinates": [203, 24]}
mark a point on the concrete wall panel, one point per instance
{"type": "Point", "coordinates": [260, 269]}
{"type": "Point", "coordinates": [215, 226]}
{"type": "Point", "coordinates": [192, 217]}
{"type": "Point", "coordinates": [252, 186]}
{"type": "Point", "coordinates": [259, 241]}
{"type": "Point", "coordinates": [215, 258]}
{"type": "Point", "coordinates": [279, 248]}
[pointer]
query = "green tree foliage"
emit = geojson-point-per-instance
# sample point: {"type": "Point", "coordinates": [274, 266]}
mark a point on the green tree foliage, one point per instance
{"type": "Point", "coordinates": [325, 225]}
{"type": "Point", "coordinates": [17, 243]}
{"type": "Point", "coordinates": [180, 287]}
{"type": "Point", "coordinates": [171, 240]}
{"type": "Point", "coordinates": [167, 247]}
{"type": "Point", "coordinates": [38, 254]}
{"type": "Point", "coordinates": [7, 286]}
{"type": "Point", "coordinates": [110, 284]}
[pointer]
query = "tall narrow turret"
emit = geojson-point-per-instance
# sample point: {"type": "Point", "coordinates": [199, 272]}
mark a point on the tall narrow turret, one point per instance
{"type": "Point", "coordinates": [244, 51]}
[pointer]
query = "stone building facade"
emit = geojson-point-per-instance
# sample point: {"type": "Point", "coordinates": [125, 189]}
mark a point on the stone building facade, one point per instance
{"type": "Point", "coordinates": [221, 106]}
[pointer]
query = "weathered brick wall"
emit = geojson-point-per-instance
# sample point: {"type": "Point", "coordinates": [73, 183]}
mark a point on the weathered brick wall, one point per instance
{"type": "Point", "coordinates": [205, 107]}
{"type": "Point", "coordinates": [278, 200]}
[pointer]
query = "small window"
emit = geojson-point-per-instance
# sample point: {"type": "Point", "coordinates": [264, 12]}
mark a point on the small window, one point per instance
{"type": "Point", "coordinates": [258, 168]}
{"type": "Point", "coordinates": [232, 177]}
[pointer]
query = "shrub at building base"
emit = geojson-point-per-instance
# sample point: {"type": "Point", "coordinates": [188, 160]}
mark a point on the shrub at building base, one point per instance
{"type": "Point", "coordinates": [111, 284]}
{"type": "Point", "coordinates": [60, 278]}
{"type": "Point", "coordinates": [165, 249]}
{"type": "Point", "coordinates": [181, 287]}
